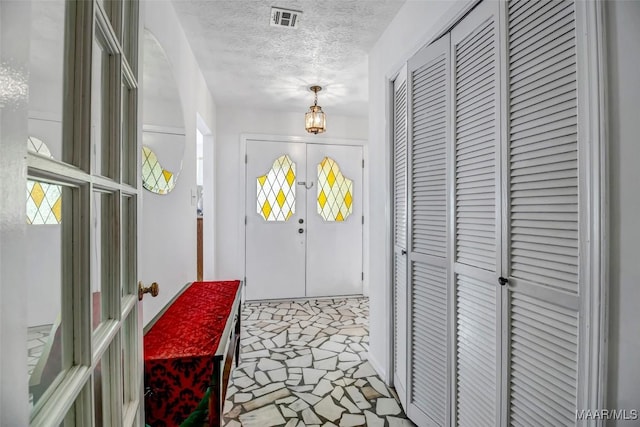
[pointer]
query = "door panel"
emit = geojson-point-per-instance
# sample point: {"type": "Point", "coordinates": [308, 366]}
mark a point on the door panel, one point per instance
{"type": "Point", "coordinates": [275, 202]}
{"type": "Point", "coordinates": [543, 241]}
{"type": "Point", "coordinates": [428, 293]}
{"type": "Point", "coordinates": [476, 221]}
{"type": "Point", "coordinates": [334, 220]}
{"type": "Point", "coordinates": [400, 236]}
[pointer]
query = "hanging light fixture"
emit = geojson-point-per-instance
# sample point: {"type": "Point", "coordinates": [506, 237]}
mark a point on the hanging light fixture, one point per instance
{"type": "Point", "coordinates": [315, 120]}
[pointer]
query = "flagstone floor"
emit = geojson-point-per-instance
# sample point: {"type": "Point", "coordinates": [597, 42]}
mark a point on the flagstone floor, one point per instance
{"type": "Point", "coordinates": [305, 363]}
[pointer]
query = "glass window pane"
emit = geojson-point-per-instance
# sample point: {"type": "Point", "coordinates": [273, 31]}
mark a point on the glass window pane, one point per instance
{"type": "Point", "coordinates": [128, 280]}
{"type": "Point", "coordinates": [106, 386]}
{"type": "Point", "coordinates": [45, 258]}
{"type": "Point", "coordinates": [276, 191]}
{"type": "Point", "coordinates": [129, 141]}
{"type": "Point", "coordinates": [103, 256]}
{"type": "Point", "coordinates": [99, 393]}
{"type": "Point", "coordinates": [130, 12]}
{"type": "Point", "coordinates": [335, 192]}
{"type": "Point", "coordinates": [130, 391]}
{"type": "Point", "coordinates": [105, 153]}
{"type": "Point", "coordinates": [46, 79]}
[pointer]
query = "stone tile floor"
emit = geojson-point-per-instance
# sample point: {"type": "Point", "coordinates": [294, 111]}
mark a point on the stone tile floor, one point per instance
{"type": "Point", "coordinates": [37, 337]}
{"type": "Point", "coordinates": [304, 363]}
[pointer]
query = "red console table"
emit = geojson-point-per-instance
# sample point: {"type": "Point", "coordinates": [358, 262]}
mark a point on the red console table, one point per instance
{"type": "Point", "coordinates": [190, 347]}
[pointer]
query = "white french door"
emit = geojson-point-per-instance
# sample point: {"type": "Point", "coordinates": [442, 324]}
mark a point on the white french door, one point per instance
{"type": "Point", "coordinates": [76, 230]}
{"type": "Point", "coordinates": [303, 220]}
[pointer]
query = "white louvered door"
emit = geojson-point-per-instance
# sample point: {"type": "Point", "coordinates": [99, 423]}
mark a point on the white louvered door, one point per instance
{"type": "Point", "coordinates": [543, 259]}
{"type": "Point", "coordinates": [400, 235]}
{"type": "Point", "coordinates": [499, 291]}
{"type": "Point", "coordinates": [475, 176]}
{"type": "Point", "coordinates": [428, 389]}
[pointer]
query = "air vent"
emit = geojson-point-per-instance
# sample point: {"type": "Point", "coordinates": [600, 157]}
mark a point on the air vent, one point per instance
{"type": "Point", "coordinates": [285, 17]}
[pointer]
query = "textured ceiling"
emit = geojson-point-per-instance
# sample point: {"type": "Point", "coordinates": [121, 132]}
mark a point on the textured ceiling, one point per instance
{"type": "Point", "coordinates": [246, 62]}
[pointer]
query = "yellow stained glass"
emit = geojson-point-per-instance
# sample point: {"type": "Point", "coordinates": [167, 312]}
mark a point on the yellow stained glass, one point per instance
{"type": "Point", "coordinates": [37, 194]}
{"type": "Point", "coordinates": [44, 200]}
{"type": "Point", "coordinates": [335, 192]}
{"type": "Point", "coordinates": [322, 199]}
{"type": "Point", "coordinates": [276, 191]}
{"type": "Point", "coordinates": [154, 178]}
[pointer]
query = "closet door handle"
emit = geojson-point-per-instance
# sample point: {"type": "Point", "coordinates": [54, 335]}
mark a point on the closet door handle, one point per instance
{"type": "Point", "coordinates": [403, 252]}
{"type": "Point", "coordinates": [503, 281]}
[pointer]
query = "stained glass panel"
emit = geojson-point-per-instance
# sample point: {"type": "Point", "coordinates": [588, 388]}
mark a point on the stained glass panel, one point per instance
{"type": "Point", "coordinates": [154, 178]}
{"type": "Point", "coordinates": [276, 194]}
{"type": "Point", "coordinates": [335, 192]}
{"type": "Point", "coordinates": [44, 200]}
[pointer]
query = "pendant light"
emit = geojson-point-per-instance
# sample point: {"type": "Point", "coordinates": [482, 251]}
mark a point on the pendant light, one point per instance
{"type": "Point", "coordinates": [314, 120]}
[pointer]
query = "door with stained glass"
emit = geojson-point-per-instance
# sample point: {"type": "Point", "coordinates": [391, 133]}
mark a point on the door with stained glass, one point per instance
{"type": "Point", "coordinates": [275, 220]}
{"type": "Point", "coordinates": [334, 220]}
{"type": "Point", "coordinates": [303, 220]}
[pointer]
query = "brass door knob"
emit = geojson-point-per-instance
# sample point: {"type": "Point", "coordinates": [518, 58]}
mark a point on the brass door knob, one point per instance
{"type": "Point", "coordinates": [154, 289]}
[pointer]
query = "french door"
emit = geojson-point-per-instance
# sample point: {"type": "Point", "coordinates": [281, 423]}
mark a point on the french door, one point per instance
{"type": "Point", "coordinates": [303, 220]}
{"type": "Point", "coordinates": [78, 223]}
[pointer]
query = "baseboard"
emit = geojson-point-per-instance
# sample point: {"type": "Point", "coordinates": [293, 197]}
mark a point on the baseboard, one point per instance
{"type": "Point", "coordinates": [377, 366]}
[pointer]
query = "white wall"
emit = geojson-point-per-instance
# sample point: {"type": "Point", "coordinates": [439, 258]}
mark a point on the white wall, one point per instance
{"type": "Point", "coordinates": [168, 236]}
{"type": "Point", "coordinates": [413, 26]}
{"type": "Point", "coordinates": [623, 35]}
{"type": "Point", "coordinates": [232, 122]}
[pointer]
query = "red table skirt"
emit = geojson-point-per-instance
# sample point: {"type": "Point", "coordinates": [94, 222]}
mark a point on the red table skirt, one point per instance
{"type": "Point", "coordinates": [179, 350]}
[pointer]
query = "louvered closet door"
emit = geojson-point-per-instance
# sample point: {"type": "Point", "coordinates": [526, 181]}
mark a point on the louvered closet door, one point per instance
{"type": "Point", "coordinates": [544, 289]}
{"type": "Point", "coordinates": [429, 125]}
{"type": "Point", "coordinates": [476, 220]}
{"type": "Point", "coordinates": [400, 235]}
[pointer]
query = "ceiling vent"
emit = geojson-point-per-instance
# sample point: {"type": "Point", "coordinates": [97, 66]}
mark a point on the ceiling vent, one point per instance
{"type": "Point", "coordinates": [285, 17]}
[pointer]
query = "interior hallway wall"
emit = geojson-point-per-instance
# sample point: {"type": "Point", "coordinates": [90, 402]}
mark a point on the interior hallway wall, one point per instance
{"type": "Point", "coordinates": [168, 235]}
{"type": "Point", "coordinates": [232, 122]}
{"type": "Point", "coordinates": [413, 26]}
{"type": "Point", "coordinates": [623, 63]}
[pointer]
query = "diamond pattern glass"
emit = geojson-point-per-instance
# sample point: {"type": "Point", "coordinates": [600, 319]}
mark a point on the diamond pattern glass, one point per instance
{"type": "Point", "coordinates": [276, 191]}
{"type": "Point", "coordinates": [44, 201]}
{"type": "Point", "coordinates": [335, 192]}
{"type": "Point", "coordinates": [154, 178]}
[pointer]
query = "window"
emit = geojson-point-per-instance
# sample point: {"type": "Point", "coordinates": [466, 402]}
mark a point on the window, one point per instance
{"type": "Point", "coordinates": [44, 200]}
{"type": "Point", "coordinates": [335, 192]}
{"type": "Point", "coordinates": [276, 193]}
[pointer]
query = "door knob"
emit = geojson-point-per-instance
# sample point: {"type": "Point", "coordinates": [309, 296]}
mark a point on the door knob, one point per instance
{"type": "Point", "coordinates": [300, 230]}
{"type": "Point", "coordinates": [154, 290]}
{"type": "Point", "coordinates": [301, 221]}
{"type": "Point", "coordinates": [503, 281]}
{"type": "Point", "coordinates": [403, 252]}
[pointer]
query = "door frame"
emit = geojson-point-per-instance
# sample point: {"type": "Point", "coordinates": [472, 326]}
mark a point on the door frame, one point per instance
{"type": "Point", "coordinates": [242, 208]}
